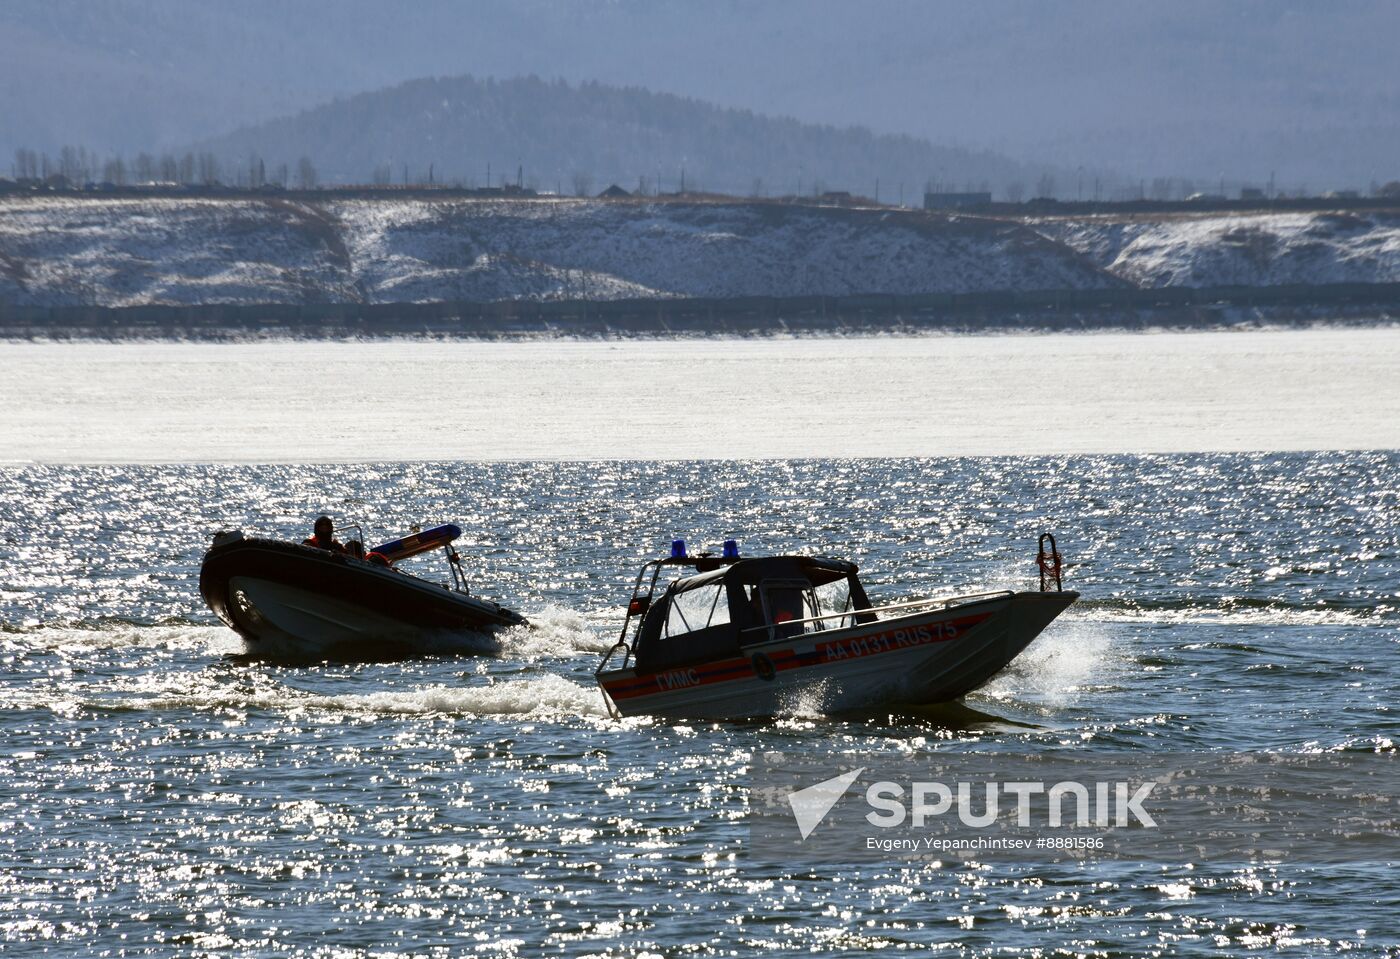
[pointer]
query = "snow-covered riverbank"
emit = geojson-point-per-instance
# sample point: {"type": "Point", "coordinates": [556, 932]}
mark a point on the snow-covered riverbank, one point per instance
{"type": "Point", "coordinates": [113, 252]}
{"type": "Point", "coordinates": [1239, 249]}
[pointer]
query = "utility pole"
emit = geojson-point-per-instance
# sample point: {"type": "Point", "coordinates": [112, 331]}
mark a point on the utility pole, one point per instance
{"type": "Point", "coordinates": [488, 174]}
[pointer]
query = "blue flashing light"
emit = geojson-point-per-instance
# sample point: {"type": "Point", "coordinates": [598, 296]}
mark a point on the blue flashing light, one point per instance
{"type": "Point", "coordinates": [678, 549]}
{"type": "Point", "coordinates": [731, 549]}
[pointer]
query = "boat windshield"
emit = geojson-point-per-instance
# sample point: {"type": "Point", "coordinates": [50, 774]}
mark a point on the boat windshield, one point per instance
{"type": "Point", "coordinates": [793, 607]}
{"type": "Point", "coordinates": [833, 598]}
{"type": "Point", "coordinates": [719, 609]}
{"type": "Point", "coordinates": [695, 609]}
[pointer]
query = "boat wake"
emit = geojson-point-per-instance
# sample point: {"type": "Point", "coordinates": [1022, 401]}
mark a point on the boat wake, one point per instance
{"type": "Point", "coordinates": [214, 640]}
{"type": "Point", "coordinates": [1232, 612]}
{"type": "Point", "coordinates": [1076, 658]}
{"type": "Point", "coordinates": [542, 696]}
{"type": "Point", "coordinates": [554, 632]}
{"type": "Point", "coordinates": [400, 648]}
{"type": "Point", "coordinates": [809, 701]}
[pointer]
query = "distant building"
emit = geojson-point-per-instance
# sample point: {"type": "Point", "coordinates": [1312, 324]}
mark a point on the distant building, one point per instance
{"type": "Point", "coordinates": [510, 189]}
{"type": "Point", "coordinates": [613, 192]}
{"type": "Point", "coordinates": [1252, 193]}
{"type": "Point", "coordinates": [1342, 195]}
{"type": "Point", "coordinates": [955, 201]}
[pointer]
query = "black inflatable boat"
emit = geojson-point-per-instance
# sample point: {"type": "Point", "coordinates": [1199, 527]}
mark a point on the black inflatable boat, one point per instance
{"type": "Point", "coordinates": [291, 601]}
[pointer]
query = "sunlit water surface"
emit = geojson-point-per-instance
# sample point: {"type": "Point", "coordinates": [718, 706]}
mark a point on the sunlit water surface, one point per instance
{"type": "Point", "coordinates": [158, 798]}
{"type": "Point", "coordinates": [299, 402]}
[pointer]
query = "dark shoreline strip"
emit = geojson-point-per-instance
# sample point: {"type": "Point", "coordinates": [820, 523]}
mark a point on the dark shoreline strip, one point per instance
{"type": "Point", "coordinates": [990, 311]}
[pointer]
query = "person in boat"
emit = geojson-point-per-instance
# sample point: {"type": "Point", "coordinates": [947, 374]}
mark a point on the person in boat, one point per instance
{"type": "Point", "coordinates": [323, 536]}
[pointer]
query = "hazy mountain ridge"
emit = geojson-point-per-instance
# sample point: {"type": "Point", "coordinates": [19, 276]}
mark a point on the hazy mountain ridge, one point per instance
{"type": "Point", "coordinates": [1196, 88]}
{"type": "Point", "coordinates": [582, 138]}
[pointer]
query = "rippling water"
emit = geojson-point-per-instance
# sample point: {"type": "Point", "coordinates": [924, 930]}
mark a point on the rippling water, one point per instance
{"type": "Point", "coordinates": [159, 798]}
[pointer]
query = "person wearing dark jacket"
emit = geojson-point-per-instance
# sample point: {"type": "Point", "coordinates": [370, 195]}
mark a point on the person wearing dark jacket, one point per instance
{"type": "Point", "coordinates": [323, 536]}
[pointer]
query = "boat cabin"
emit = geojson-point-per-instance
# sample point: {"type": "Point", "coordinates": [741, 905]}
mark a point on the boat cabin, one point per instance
{"type": "Point", "coordinates": [719, 612]}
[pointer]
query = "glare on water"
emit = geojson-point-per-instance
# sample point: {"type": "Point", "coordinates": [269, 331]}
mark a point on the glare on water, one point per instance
{"type": "Point", "coordinates": [159, 798]}
{"type": "Point", "coordinates": [726, 398]}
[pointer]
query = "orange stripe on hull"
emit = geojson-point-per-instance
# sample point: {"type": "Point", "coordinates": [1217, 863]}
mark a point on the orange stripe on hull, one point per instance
{"type": "Point", "coordinates": [903, 638]}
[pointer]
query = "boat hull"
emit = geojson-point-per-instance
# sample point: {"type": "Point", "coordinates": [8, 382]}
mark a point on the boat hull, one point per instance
{"type": "Point", "coordinates": [915, 660]}
{"type": "Point", "coordinates": [295, 602]}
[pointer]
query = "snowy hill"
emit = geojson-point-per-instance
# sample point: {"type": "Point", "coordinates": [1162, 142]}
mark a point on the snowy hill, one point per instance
{"type": "Point", "coordinates": [61, 251]}
{"type": "Point", "coordinates": [123, 252]}
{"type": "Point", "coordinates": [1264, 249]}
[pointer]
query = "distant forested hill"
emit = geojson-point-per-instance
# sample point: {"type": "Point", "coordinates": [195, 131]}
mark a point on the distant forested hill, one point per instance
{"type": "Point", "coordinates": [1302, 92]}
{"type": "Point", "coordinates": [583, 138]}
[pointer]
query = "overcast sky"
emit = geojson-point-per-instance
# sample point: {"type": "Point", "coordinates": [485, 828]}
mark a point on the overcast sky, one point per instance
{"type": "Point", "coordinates": [1198, 88]}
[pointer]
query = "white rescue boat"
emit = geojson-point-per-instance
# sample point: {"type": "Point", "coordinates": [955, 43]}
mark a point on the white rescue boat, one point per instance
{"type": "Point", "coordinates": [741, 638]}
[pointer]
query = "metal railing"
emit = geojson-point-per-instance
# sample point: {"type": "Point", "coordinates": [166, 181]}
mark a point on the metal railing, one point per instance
{"type": "Point", "coordinates": [637, 594]}
{"type": "Point", "coordinates": [855, 613]}
{"type": "Point", "coordinates": [1049, 562]}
